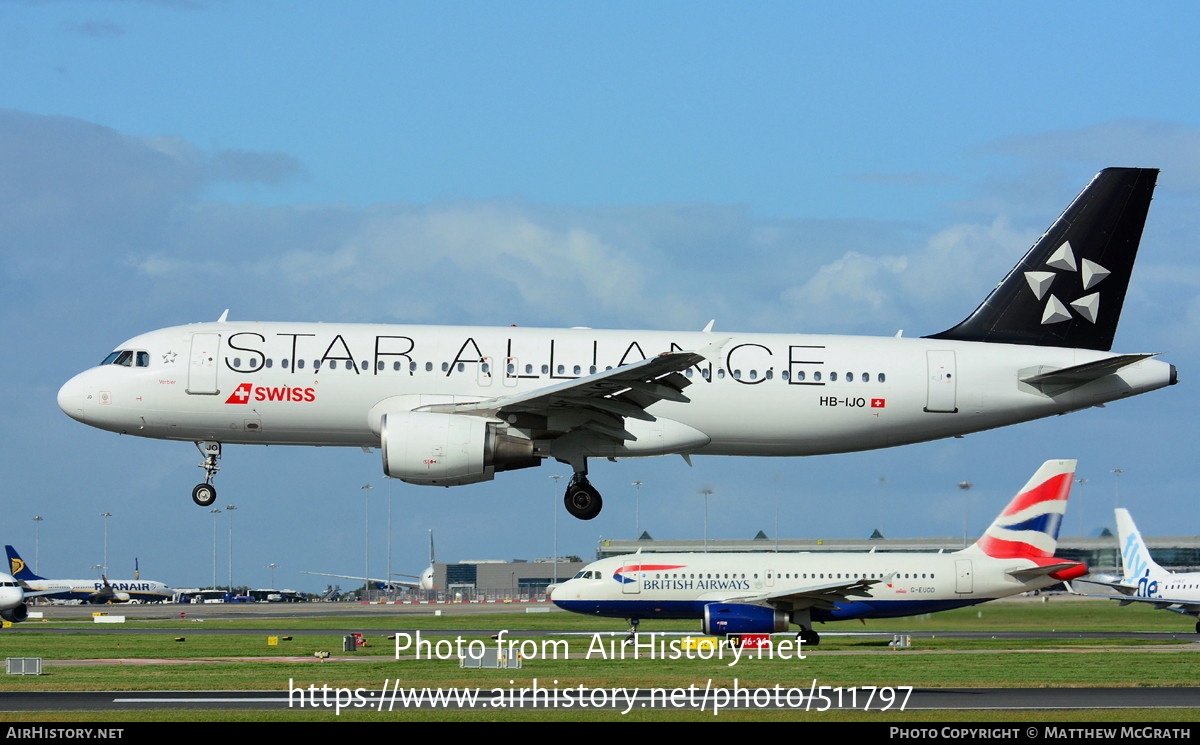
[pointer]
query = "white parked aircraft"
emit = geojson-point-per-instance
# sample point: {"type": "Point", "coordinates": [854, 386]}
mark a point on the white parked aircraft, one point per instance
{"type": "Point", "coordinates": [12, 599]}
{"type": "Point", "coordinates": [761, 593]}
{"type": "Point", "coordinates": [422, 582]}
{"type": "Point", "coordinates": [1144, 581]}
{"type": "Point", "coordinates": [455, 405]}
{"type": "Point", "coordinates": [88, 590]}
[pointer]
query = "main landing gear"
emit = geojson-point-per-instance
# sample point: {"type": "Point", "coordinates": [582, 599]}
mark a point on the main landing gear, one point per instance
{"type": "Point", "coordinates": [633, 631]}
{"type": "Point", "coordinates": [808, 636]}
{"type": "Point", "coordinates": [582, 499]}
{"type": "Point", "coordinates": [206, 494]}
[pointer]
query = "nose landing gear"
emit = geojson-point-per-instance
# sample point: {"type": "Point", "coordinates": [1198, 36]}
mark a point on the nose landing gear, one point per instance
{"type": "Point", "coordinates": [206, 494]}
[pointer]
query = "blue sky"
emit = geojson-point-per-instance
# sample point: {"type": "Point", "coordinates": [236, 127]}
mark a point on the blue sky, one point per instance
{"type": "Point", "coordinates": [783, 167]}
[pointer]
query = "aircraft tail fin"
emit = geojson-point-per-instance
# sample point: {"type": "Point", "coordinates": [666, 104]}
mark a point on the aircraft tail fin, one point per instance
{"type": "Point", "coordinates": [17, 567]}
{"type": "Point", "coordinates": [1028, 527]}
{"type": "Point", "coordinates": [1069, 288]}
{"type": "Point", "coordinates": [1136, 563]}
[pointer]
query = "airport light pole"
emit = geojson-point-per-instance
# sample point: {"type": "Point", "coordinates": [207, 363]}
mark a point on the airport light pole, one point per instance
{"type": "Point", "coordinates": [707, 493]}
{"type": "Point", "coordinates": [637, 511]}
{"type": "Point", "coordinates": [230, 508]}
{"type": "Point", "coordinates": [554, 508]}
{"type": "Point", "coordinates": [37, 541]}
{"type": "Point", "coordinates": [1116, 472]}
{"type": "Point", "coordinates": [966, 487]}
{"type": "Point", "coordinates": [273, 566]}
{"type": "Point", "coordinates": [366, 542]}
{"type": "Point", "coordinates": [105, 515]}
{"type": "Point", "coordinates": [214, 513]}
{"type": "Point", "coordinates": [1079, 509]}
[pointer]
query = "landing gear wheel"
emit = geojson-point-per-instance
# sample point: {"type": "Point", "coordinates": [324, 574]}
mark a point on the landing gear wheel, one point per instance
{"type": "Point", "coordinates": [204, 494]}
{"type": "Point", "coordinates": [582, 500]}
{"type": "Point", "coordinates": [809, 637]}
{"type": "Point", "coordinates": [1198, 627]}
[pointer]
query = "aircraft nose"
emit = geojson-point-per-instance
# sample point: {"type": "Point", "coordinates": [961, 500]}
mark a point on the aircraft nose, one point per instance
{"type": "Point", "coordinates": [70, 398]}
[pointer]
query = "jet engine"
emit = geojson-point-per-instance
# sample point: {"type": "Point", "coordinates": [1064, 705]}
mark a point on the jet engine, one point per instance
{"type": "Point", "coordinates": [449, 449]}
{"type": "Point", "coordinates": [15, 615]}
{"type": "Point", "coordinates": [738, 618]}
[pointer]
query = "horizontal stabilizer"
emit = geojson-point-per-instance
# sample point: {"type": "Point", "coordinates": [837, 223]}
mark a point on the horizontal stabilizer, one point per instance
{"type": "Point", "coordinates": [1077, 375]}
{"type": "Point", "coordinates": [1024, 575]}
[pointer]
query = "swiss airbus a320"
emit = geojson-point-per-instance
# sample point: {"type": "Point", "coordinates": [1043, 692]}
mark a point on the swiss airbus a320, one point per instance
{"type": "Point", "coordinates": [453, 405]}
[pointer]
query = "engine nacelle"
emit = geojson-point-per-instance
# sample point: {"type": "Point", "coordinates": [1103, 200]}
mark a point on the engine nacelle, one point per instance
{"type": "Point", "coordinates": [15, 615]}
{"type": "Point", "coordinates": [449, 449]}
{"type": "Point", "coordinates": [738, 618]}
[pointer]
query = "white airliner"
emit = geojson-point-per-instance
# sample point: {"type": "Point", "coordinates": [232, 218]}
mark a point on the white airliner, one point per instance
{"type": "Point", "coordinates": [455, 405]}
{"type": "Point", "coordinates": [1144, 581]}
{"type": "Point", "coordinates": [12, 599]}
{"type": "Point", "coordinates": [761, 593]}
{"type": "Point", "coordinates": [88, 590]}
{"type": "Point", "coordinates": [423, 582]}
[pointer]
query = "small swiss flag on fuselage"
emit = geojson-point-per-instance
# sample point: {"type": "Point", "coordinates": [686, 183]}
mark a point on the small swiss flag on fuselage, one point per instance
{"type": "Point", "coordinates": [878, 403]}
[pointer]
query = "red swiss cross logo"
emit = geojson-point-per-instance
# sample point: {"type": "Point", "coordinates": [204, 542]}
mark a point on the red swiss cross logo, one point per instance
{"type": "Point", "coordinates": [878, 403]}
{"type": "Point", "coordinates": [241, 395]}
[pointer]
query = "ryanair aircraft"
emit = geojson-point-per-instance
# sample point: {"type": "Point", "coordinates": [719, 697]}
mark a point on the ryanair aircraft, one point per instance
{"type": "Point", "coordinates": [455, 405]}
{"type": "Point", "coordinates": [88, 590]}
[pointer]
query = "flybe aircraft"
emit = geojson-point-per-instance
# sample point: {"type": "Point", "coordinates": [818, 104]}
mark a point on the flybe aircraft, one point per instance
{"type": "Point", "coordinates": [762, 593]}
{"type": "Point", "coordinates": [456, 405]}
{"type": "Point", "coordinates": [1144, 581]}
{"type": "Point", "coordinates": [88, 590]}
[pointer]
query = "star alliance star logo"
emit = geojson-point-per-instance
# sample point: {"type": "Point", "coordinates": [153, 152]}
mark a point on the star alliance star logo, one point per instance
{"type": "Point", "coordinates": [1091, 274]}
{"type": "Point", "coordinates": [169, 357]}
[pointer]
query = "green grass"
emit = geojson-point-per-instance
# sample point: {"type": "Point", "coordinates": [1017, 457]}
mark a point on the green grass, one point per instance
{"type": "Point", "coordinates": [840, 660]}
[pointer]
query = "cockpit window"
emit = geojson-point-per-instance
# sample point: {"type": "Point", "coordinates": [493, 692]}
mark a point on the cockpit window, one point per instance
{"type": "Point", "coordinates": [127, 358]}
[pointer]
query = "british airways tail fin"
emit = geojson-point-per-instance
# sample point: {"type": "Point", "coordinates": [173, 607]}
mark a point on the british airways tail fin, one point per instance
{"type": "Point", "coordinates": [1069, 289]}
{"type": "Point", "coordinates": [16, 566]}
{"type": "Point", "coordinates": [1028, 526]}
{"type": "Point", "coordinates": [1136, 563]}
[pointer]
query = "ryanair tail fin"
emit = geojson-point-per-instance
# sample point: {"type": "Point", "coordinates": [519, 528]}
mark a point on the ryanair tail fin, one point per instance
{"type": "Point", "coordinates": [17, 567]}
{"type": "Point", "coordinates": [1028, 526]}
{"type": "Point", "coordinates": [1069, 289]}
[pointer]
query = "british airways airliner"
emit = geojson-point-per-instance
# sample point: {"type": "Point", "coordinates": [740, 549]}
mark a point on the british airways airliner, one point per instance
{"type": "Point", "coordinates": [455, 405]}
{"type": "Point", "coordinates": [762, 593]}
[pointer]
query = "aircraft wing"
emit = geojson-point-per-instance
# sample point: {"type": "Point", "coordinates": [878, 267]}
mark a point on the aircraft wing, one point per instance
{"type": "Point", "coordinates": [604, 399]}
{"type": "Point", "coordinates": [823, 597]}
{"type": "Point", "coordinates": [376, 580]}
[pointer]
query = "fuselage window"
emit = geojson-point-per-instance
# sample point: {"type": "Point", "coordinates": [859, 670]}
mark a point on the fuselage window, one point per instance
{"type": "Point", "coordinates": [395, 366]}
{"type": "Point", "coordinates": [484, 368]}
{"type": "Point", "coordinates": [817, 375]}
{"type": "Point", "coordinates": [445, 367]}
{"type": "Point", "coordinates": [706, 373]}
{"type": "Point", "coordinates": [270, 363]}
{"type": "Point", "coordinates": [462, 366]}
{"type": "Point", "coordinates": [754, 374]}
{"type": "Point", "coordinates": [561, 369]}
{"type": "Point", "coordinates": [575, 370]}
{"type": "Point", "coordinates": [832, 377]}
{"type": "Point", "coordinates": [545, 369]}
{"type": "Point", "coordinates": [849, 377]}
{"type": "Point", "coordinates": [283, 363]}
{"type": "Point", "coordinates": [428, 367]}
{"type": "Point", "coordinates": [510, 368]}
{"type": "Point", "coordinates": [688, 372]}
{"type": "Point", "coordinates": [299, 364]}
{"type": "Point", "coordinates": [529, 369]}
{"type": "Point", "coordinates": [769, 374]}
{"type": "Point", "coordinates": [737, 374]}
{"type": "Point", "coordinates": [880, 377]}
{"type": "Point", "coordinates": [866, 378]}
{"type": "Point", "coordinates": [592, 370]}
{"type": "Point", "coordinates": [721, 373]}
{"type": "Point", "coordinates": [799, 375]}
{"type": "Point", "coordinates": [317, 365]}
